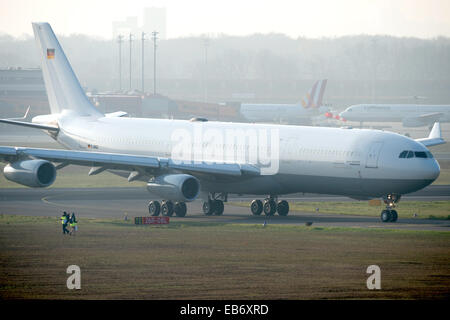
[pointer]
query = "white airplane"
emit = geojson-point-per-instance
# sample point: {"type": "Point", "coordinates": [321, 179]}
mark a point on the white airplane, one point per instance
{"type": "Point", "coordinates": [299, 113]}
{"type": "Point", "coordinates": [359, 163]}
{"type": "Point", "coordinates": [411, 115]}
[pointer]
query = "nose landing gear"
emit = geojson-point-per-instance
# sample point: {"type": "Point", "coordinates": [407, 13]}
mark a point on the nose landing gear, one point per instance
{"type": "Point", "coordinates": [389, 214]}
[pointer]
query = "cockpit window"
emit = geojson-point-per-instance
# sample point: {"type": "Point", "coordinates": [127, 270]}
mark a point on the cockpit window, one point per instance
{"type": "Point", "coordinates": [418, 154]}
{"type": "Point", "coordinates": [403, 154]}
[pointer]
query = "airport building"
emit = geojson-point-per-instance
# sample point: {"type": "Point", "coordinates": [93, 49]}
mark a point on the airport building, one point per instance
{"type": "Point", "coordinates": [154, 20]}
{"type": "Point", "coordinates": [129, 25]}
{"type": "Point", "coordinates": [20, 88]}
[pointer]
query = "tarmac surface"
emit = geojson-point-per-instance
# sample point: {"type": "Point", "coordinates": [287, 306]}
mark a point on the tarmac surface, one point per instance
{"type": "Point", "coordinates": [118, 202]}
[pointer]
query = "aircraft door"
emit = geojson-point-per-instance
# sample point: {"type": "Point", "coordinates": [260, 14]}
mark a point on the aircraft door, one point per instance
{"type": "Point", "coordinates": [373, 155]}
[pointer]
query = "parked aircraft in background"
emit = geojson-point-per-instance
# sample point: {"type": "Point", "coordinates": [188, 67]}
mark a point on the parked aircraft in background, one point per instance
{"type": "Point", "coordinates": [182, 160]}
{"type": "Point", "coordinates": [410, 115]}
{"type": "Point", "coordinates": [299, 113]}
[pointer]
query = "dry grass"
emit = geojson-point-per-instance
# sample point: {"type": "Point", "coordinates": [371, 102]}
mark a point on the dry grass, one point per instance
{"type": "Point", "coordinates": [184, 260]}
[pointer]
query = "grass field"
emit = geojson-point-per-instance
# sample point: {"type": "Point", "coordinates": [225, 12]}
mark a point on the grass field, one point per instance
{"type": "Point", "coordinates": [405, 209]}
{"type": "Point", "coordinates": [119, 260]}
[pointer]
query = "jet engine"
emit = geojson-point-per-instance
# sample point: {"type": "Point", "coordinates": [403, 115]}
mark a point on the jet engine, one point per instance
{"type": "Point", "coordinates": [175, 187]}
{"type": "Point", "coordinates": [31, 173]}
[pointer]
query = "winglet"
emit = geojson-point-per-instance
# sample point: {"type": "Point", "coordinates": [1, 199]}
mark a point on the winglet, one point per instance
{"type": "Point", "coordinates": [434, 138]}
{"type": "Point", "coordinates": [25, 116]}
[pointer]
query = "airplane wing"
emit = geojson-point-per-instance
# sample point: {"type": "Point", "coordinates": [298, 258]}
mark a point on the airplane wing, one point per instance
{"type": "Point", "coordinates": [434, 138]}
{"type": "Point", "coordinates": [115, 161]}
{"type": "Point", "coordinates": [423, 119]}
{"type": "Point", "coordinates": [434, 116]}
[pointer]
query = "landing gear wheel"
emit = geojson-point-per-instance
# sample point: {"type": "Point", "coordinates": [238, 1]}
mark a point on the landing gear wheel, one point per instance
{"type": "Point", "coordinates": [167, 208]}
{"type": "Point", "coordinates": [394, 216]}
{"type": "Point", "coordinates": [209, 207]}
{"type": "Point", "coordinates": [218, 207]}
{"type": "Point", "coordinates": [256, 207]}
{"type": "Point", "coordinates": [389, 214]}
{"type": "Point", "coordinates": [386, 216]}
{"type": "Point", "coordinates": [283, 208]}
{"type": "Point", "coordinates": [154, 208]}
{"type": "Point", "coordinates": [180, 209]}
{"type": "Point", "coordinates": [270, 207]}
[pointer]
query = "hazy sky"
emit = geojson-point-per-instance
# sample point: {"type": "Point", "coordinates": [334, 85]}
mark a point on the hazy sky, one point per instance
{"type": "Point", "coordinates": [309, 18]}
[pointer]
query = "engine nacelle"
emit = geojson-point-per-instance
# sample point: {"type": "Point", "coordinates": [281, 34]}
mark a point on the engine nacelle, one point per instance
{"type": "Point", "coordinates": [31, 173]}
{"type": "Point", "coordinates": [175, 187]}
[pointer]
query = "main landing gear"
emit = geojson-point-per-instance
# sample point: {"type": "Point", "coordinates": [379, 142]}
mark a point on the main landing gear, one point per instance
{"type": "Point", "coordinates": [167, 208]}
{"type": "Point", "coordinates": [270, 206]}
{"type": "Point", "coordinates": [389, 214]}
{"type": "Point", "coordinates": [214, 205]}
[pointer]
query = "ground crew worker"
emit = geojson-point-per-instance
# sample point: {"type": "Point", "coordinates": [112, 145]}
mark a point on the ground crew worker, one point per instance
{"type": "Point", "coordinates": [73, 224]}
{"type": "Point", "coordinates": [64, 222]}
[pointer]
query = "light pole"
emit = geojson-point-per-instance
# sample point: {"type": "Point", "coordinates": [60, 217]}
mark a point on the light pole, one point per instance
{"type": "Point", "coordinates": [131, 40]}
{"type": "Point", "coordinates": [205, 76]}
{"type": "Point", "coordinates": [154, 38]}
{"type": "Point", "coordinates": [119, 41]}
{"type": "Point", "coordinates": [143, 74]}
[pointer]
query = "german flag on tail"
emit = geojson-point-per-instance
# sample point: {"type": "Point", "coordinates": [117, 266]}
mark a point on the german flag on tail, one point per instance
{"type": "Point", "coordinates": [50, 53]}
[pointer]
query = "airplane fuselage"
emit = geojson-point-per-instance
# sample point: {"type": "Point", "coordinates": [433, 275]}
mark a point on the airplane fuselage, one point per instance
{"type": "Point", "coordinates": [395, 112]}
{"type": "Point", "coordinates": [291, 113]}
{"type": "Point", "coordinates": [352, 162]}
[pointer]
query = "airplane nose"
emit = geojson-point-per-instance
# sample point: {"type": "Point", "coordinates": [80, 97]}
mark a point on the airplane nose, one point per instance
{"type": "Point", "coordinates": [433, 170]}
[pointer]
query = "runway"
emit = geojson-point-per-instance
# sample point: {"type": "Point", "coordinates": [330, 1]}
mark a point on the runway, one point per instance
{"type": "Point", "coordinates": [118, 202]}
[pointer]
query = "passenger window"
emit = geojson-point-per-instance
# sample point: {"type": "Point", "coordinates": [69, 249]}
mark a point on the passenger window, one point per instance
{"type": "Point", "coordinates": [410, 154]}
{"type": "Point", "coordinates": [403, 154]}
{"type": "Point", "coordinates": [420, 154]}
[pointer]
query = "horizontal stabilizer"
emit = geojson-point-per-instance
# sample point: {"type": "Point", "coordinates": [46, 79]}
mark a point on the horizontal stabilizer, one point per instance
{"type": "Point", "coordinates": [30, 124]}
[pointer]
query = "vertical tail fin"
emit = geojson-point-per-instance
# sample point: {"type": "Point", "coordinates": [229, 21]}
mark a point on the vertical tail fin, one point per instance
{"type": "Point", "coordinates": [313, 99]}
{"type": "Point", "coordinates": [63, 88]}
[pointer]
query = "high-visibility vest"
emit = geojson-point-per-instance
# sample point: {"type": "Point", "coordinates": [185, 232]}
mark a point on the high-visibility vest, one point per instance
{"type": "Point", "coordinates": [63, 220]}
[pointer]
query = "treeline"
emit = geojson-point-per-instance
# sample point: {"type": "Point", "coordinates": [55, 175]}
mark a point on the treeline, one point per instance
{"type": "Point", "coordinates": [250, 64]}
